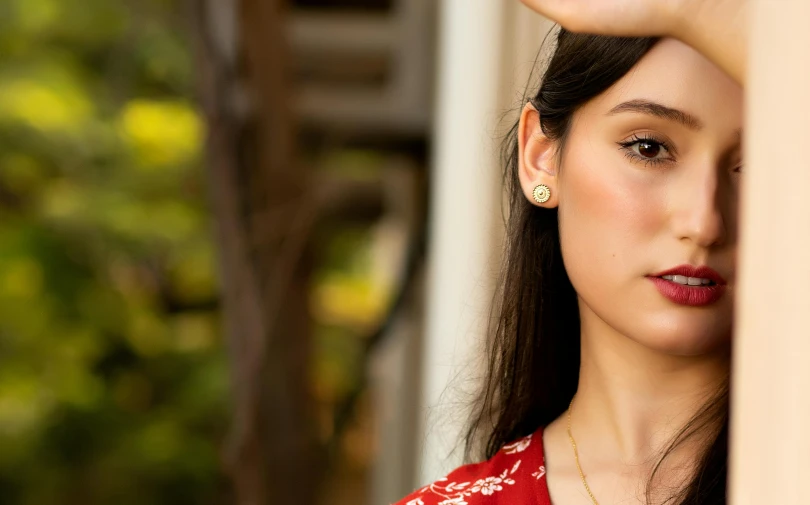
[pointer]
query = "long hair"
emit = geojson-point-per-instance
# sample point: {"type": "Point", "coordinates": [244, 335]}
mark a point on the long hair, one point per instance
{"type": "Point", "coordinates": [534, 351]}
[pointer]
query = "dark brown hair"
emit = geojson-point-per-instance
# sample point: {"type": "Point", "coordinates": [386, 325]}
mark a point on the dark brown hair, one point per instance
{"type": "Point", "coordinates": [534, 353]}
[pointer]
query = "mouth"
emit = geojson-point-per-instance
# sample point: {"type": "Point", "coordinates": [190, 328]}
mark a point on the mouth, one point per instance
{"type": "Point", "coordinates": [688, 281]}
{"type": "Point", "coordinates": [689, 275]}
{"type": "Point", "coordinates": [690, 285]}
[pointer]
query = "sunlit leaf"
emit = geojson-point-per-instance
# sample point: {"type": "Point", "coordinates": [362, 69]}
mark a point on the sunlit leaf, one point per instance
{"type": "Point", "coordinates": [48, 106]}
{"type": "Point", "coordinates": [161, 133]}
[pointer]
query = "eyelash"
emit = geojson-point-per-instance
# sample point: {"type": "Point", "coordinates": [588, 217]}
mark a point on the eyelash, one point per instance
{"type": "Point", "coordinates": [625, 146]}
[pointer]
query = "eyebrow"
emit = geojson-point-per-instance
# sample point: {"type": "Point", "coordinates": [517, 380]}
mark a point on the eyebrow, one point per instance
{"type": "Point", "coordinates": [658, 110]}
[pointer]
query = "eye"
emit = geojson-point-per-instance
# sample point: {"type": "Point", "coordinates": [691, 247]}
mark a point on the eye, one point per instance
{"type": "Point", "coordinates": [646, 149]}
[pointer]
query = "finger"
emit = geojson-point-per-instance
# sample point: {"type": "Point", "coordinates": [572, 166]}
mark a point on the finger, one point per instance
{"type": "Point", "coordinates": [585, 16]}
{"type": "Point", "coordinates": [608, 17]}
{"type": "Point", "coordinates": [559, 11]}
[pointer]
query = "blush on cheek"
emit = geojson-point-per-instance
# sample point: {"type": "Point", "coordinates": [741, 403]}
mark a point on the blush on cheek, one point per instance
{"type": "Point", "coordinates": [609, 215]}
{"type": "Point", "coordinates": [606, 205]}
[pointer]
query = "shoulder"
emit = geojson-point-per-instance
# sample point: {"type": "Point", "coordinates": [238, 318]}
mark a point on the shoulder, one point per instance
{"type": "Point", "coordinates": [515, 474]}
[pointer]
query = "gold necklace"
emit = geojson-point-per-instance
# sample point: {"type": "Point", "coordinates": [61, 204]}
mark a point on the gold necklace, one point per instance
{"type": "Point", "coordinates": [576, 455]}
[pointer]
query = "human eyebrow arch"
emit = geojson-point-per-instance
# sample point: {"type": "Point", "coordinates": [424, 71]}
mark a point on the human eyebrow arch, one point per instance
{"type": "Point", "coordinates": [658, 110]}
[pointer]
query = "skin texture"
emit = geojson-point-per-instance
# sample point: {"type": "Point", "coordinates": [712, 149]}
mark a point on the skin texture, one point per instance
{"type": "Point", "coordinates": [646, 361]}
{"type": "Point", "coordinates": [716, 28]}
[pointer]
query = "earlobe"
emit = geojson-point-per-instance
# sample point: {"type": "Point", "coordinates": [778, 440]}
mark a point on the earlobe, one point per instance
{"type": "Point", "coordinates": [541, 193]}
{"type": "Point", "coordinates": [536, 161]}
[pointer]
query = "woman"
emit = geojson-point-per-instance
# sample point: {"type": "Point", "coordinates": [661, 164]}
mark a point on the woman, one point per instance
{"type": "Point", "coordinates": [609, 368]}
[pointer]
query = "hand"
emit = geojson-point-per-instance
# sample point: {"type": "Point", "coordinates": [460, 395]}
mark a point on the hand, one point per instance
{"type": "Point", "coordinates": [635, 18]}
{"type": "Point", "coordinates": [716, 28]}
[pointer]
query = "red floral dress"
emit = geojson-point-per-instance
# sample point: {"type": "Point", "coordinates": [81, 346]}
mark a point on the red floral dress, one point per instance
{"type": "Point", "coordinates": [515, 475]}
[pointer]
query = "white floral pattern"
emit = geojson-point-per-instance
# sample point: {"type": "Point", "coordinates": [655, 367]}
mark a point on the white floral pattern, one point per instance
{"type": "Point", "coordinates": [458, 500]}
{"type": "Point", "coordinates": [518, 446]}
{"type": "Point", "coordinates": [457, 493]}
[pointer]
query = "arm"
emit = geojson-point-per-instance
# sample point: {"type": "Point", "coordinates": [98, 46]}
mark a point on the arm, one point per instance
{"type": "Point", "coordinates": [716, 28]}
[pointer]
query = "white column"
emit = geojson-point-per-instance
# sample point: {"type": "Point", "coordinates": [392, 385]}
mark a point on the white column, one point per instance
{"type": "Point", "coordinates": [482, 45]}
{"type": "Point", "coordinates": [771, 383]}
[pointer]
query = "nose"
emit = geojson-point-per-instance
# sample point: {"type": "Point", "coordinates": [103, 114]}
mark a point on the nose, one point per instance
{"type": "Point", "coordinates": [700, 214]}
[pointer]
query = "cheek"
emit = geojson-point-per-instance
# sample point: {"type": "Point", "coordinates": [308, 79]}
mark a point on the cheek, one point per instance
{"type": "Point", "coordinates": [609, 214]}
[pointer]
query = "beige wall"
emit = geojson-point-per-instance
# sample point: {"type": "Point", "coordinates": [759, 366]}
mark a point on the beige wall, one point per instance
{"type": "Point", "coordinates": [771, 397]}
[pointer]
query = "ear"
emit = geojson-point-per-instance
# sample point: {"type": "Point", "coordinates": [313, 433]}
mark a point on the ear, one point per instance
{"type": "Point", "coordinates": [537, 163]}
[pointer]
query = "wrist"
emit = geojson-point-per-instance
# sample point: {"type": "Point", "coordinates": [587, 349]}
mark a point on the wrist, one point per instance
{"type": "Point", "coordinates": [685, 19]}
{"type": "Point", "coordinates": [718, 29]}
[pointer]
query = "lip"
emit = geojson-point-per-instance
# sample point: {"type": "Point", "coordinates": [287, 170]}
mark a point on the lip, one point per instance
{"type": "Point", "coordinates": [694, 296]}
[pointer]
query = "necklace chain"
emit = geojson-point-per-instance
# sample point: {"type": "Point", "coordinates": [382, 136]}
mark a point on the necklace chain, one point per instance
{"type": "Point", "coordinates": [576, 455]}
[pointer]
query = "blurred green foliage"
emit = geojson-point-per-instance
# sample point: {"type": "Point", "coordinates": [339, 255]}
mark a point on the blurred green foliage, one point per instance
{"type": "Point", "coordinates": [113, 379]}
{"type": "Point", "coordinates": [113, 375]}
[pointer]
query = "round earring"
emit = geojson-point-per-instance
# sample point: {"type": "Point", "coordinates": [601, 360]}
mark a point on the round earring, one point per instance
{"type": "Point", "coordinates": [541, 193]}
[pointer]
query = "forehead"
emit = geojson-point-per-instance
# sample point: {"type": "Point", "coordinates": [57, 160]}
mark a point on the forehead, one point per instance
{"type": "Point", "coordinates": [677, 76]}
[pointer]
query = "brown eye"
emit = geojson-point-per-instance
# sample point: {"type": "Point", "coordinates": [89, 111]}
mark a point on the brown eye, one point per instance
{"type": "Point", "coordinates": [649, 149]}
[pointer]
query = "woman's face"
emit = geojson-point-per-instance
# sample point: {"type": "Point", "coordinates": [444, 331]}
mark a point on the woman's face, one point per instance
{"type": "Point", "coordinates": [649, 181]}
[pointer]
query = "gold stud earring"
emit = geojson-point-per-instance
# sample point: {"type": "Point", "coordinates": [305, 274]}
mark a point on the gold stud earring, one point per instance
{"type": "Point", "coordinates": [541, 193]}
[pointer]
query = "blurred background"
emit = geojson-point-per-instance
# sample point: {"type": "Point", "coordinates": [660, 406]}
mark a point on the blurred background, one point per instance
{"type": "Point", "coordinates": [246, 246]}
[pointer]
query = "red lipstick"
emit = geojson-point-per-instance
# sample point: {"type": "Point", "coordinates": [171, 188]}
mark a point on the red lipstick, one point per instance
{"type": "Point", "coordinates": [692, 295]}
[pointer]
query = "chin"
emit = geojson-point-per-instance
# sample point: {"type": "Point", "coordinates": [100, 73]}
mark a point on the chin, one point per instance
{"type": "Point", "coordinates": [687, 338]}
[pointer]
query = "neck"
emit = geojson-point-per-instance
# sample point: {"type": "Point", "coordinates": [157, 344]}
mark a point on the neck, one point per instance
{"type": "Point", "coordinates": [632, 400]}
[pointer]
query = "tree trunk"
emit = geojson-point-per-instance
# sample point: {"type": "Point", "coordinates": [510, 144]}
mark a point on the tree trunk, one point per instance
{"type": "Point", "coordinates": [263, 217]}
